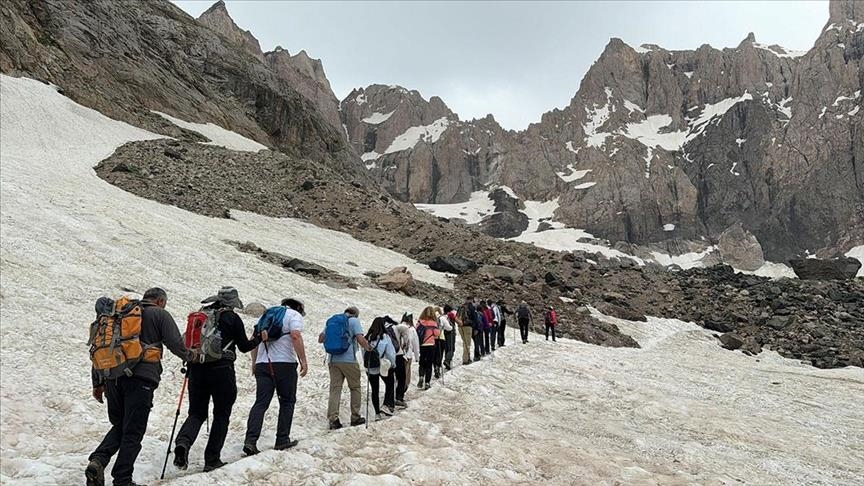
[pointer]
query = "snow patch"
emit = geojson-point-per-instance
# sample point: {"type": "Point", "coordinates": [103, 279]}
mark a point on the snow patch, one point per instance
{"type": "Point", "coordinates": [584, 185]}
{"type": "Point", "coordinates": [854, 110]}
{"type": "Point", "coordinates": [689, 74]}
{"type": "Point", "coordinates": [597, 116]}
{"type": "Point", "coordinates": [412, 136]}
{"type": "Point", "coordinates": [740, 141]}
{"type": "Point", "coordinates": [668, 227]}
{"type": "Point", "coordinates": [569, 146]}
{"type": "Point", "coordinates": [218, 136]}
{"type": "Point", "coordinates": [377, 118]}
{"type": "Point", "coordinates": [473, 211]}
{"type": "Point", "coordinates": [858, 253]}
{"type": "Point", "coordinates": [631, 107]}
{"type": "Point", "coordinates": [574, 174]}
{"type": "Point", "coordinates": [647, 132]}
{"type": "Point", "coordinates": [779, 51]}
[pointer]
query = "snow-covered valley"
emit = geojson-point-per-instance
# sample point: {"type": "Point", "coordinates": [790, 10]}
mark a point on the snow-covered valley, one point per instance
{"type": "Point", "coordinates": [681, 410]}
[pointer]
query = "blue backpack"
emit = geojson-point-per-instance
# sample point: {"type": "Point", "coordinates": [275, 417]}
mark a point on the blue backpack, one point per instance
{"type": "Point", "coordinates": [271, 321]}
{"type": "Point", "coordinates": [337, 337]}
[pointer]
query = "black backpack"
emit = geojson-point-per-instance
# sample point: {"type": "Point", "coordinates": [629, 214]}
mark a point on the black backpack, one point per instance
{"type": "Point", "coordinates": [371, 359]}
{"type": "Point", "coordinates": [522, 312]}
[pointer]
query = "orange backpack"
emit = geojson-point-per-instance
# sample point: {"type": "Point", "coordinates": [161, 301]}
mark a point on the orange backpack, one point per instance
{"type": "Point", "coordinates": [115, 345]}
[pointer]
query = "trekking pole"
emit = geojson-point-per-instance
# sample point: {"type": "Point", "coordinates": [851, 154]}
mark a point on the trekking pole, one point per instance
{"type": "Point", "coordinates": [174, 427]}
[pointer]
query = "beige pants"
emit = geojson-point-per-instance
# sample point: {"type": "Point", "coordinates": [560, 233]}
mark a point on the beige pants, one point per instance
{"type": "Point", "coordinates": [466, 332]}
{"type": "Point", "coordinates": [339, 372]}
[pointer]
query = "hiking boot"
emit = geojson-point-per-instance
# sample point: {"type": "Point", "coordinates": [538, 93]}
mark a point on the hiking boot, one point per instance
{"type": "Point", "coordinates": [358, 421]}
{"type": "Point", "coordinates": [447, 366]}
{"type": "Point", "coordinates": [287, 445]}
{"type": "Point", "coordinates": [181, 456]}
{"type": "Point", "coordinates": [379, 416]}
{"type": "Point", "coordinates": [401, 404]}
{"type": "Point", "coordinates": [250, 449]}
{"type": "Point", "coordinates": [428, 386]}
{"type": "Point", "coordinates": [420, 383]}
{"type": "Point", "coordinates": [214, 465]}
{"type": "Point", "coordinates": [387, 411]}
{"type": "Point", "coordinates": [95, 473]}
{"type": "Point", "coordinates": [437, 374]}
{"type": "Point", "coordinates": [335, 425]}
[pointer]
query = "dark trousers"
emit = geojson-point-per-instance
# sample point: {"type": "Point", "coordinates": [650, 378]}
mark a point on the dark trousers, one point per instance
{"type": "Point", "coordinates": [548, 327]}
{"type": "Point", "coordinates": [478, 344]}
{"type": "Point", "coordinates": [502, 333]}
{"type": "Point", "coordinates": [129, 404]}
{"type": "Point", "coordinates": [523, 329]}
{"type": "Point", "coordinates": [487, 333]}
{"type": "Point", "coordinates": [439, 356]}
{"type": "Point", "coordinates": [493, 336]}
{"type": "Point", "coordinates": [206, 382]}
{"type": "Point", "coordinates": [389, 390]}
{"type": "Point", "coordinates": [449, 347]}
{"type": "Point", "coordinates": [401, 379]}
{"type": "Point", "coordinates": [284, 384]}
{"type": "Point", "coordinates": [427, 358]}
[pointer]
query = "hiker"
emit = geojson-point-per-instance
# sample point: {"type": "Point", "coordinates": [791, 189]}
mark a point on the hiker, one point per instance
{"type": "Point", "coordinates": [503, 323]}
{"type": "Point", "coordinates": [411, 347]}
{"type": "Point", "coordinates": [128, 387]}
{"type": "Point", "coordinates": [342, 334]}
{"type": "Point", "coordinates": [487, 327]}
{"type": "Point", "coordinates": [449, 326]}
{"type": "Point", "coordinates": [479, 327]}
{"type": "Point", "coordinates": [523, 314]}
{"type": "Point", "coordinates": [498, 328]}
{"type": "Point", "coordinates": [380, 361]}
{"type": "Point", "coordinates": [492, 316]}
{"type": "Point", "coordinates": [275, 363]}
{"type": "Point", "coordinates": [427, 335]}
{"type": "Point", "coordinates": [443, 323]}
{"type": "Point", "coordinates": [465, 320]}
{"type": "Point", "coordinates": [551, 321]}
{"type": "Point", "coordinates": [214, 378]}
{"type": "Point", "coordinates": [391, 327]}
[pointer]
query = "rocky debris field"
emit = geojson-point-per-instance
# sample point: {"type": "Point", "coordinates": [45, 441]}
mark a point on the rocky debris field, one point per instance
{"type": "Point", "coordinates": [823, 321]}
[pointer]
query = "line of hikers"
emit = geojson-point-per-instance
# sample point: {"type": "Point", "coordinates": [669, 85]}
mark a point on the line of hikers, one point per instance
{"type": "Point", "coordinates": [126, 345]}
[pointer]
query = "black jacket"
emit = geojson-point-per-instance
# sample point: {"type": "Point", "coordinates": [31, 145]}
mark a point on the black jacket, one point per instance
{"type": "Point", "coordinates": [232, 329]}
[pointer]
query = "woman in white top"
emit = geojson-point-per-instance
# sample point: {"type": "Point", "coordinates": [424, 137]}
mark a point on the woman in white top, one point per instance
{"type": "Point", "coordinates": [383, 347]}
{"type": "Point", "coordinates": [410, 345]}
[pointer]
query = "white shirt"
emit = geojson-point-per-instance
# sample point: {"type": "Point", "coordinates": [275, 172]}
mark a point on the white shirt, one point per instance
{"type": "Point", "coordinates": [497, 311]}
{"type": "Point", "coordinates": [444, 323]}
{"type": "Point", "coordinates": [282, 349]}
{"type": "Point", "coordinates": [410, 341]}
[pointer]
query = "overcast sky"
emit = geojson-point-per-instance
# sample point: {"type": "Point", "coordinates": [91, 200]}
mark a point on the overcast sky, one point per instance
{"type": "Point", "coordinates": [515, 60]}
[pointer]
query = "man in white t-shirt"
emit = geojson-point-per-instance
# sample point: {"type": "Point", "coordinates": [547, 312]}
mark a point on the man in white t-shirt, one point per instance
{"type": "Point", "coordinates": [275, 370]}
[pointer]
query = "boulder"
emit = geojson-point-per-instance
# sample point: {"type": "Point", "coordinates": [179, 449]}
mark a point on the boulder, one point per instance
{"type": "Point", "coordinates": [507, 274]}
{"type": "Point", "coordinates": [818, 269]}
{"type": "Point", "coordinates": [730, 340]}
{"type": "Point", "coordinates": [740, 249]}
{"type": "Point", "coordinates": [398, 280]}
{"type": "Point", "coordinates": [452, 264]}
{"type": "Point", "coordinates": [619, 311]}
{"type": "Point", "coordinates": [303, 266]}
{"type": "Point", "coordinates": [254, 309]}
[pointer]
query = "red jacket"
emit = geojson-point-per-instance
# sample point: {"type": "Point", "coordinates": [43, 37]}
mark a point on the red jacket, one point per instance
{"type": "Point", "coordinates": [490, 316]}
{"type": "Point", "coordinates": [552, 318]}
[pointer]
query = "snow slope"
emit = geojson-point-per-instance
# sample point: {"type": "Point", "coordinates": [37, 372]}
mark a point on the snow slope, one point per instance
{"type": "Point", "coordinates": [217, 135]}
{"type": "Point", "coordinates": [477, 207]}
{"type": "Point", "coordinates": [679, 410]}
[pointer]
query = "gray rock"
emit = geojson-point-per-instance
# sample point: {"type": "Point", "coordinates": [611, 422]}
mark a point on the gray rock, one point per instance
{"type": "Point", "coordinates": [730, 340]}
{"type": "Point", "coordinates": [303, 266]}
{"type": "Point", "coordinates": [818, 269]}
{"type": "Point", "coordinates": [507, 274]}
{"type": "Point", "coordinates": [452, 264]}
{"type": "Point", "coordinates": [398, 280]}
{"type": "Point", "coordinates": [740, 249]}
{"type": "Point", "coordinates": [254, 309]}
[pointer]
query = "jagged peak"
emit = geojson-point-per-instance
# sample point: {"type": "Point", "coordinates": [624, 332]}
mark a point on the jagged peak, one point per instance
{"type": "Point", "coordinates": [748, 41]}
{"type": "Point", "coordinates": [218, 6]}
{"type": "Point", "coordinates": [845, 10]}
{"type": "Point", "coordinates": [217, 18]}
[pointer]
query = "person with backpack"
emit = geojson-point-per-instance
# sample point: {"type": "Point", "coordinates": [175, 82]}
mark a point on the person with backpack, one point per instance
{"type": "Point", "coordinates": [127, 368]}
{"type": "Point", "coordinates": [427, 335]}
{"type": "Point", "coordinates": [411, 348]}
{"type": "Point", "coordinates": [276, 360]}
{"type": "Point", "coordinates": [487, 328]}
{"type": "Point", "coordinates": [502, 335]}
{"type": "Point", "coordinates": [523, 314]}
{"type": "Point", "coordinates": [497, 319]}
{"type": "Point", "coordinates": [443, 324]}
{"type": "Point", "coordinates": [380, 361]}
{"type": "Point", "coordinates": [465, 320]}
{"type": "Point", "coordinates": [449, 327]}
{"type": "Point", "coordinates": [492, 317]}
{"type": "Point", "coordinates": [221, 334]}
{"type": "Point", "coordinates": [391, 327]}
{"type": "Point", "coordinates": [551, 321]}
{"type": "Point", "coordinates": [342, 334]}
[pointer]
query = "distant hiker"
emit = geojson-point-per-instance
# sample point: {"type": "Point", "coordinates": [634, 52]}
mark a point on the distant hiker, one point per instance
{"type": "Point", "coordinates": [411, 349]}
{"type": "Point", "coordinates": [427, 334]}
{"type": "Point", "coordinates": [440, 342]}
{"type": "Point", "coordinates": [342, 334]}
{"type": "Point", "coordinates": [380, 361]}
{"type": "Point", "coordinates": [465, 320]}
{"type": "Point", "coordinates": [479, 327]}
{"type": "Point", "coordinates": [523, 314]}
{"type": "Point", "coordinates": [216, 330]}
{"type": "Point", "coordinates": [487, 327]}
{"type": "Point", "coordinates": [275, 369]}
{"type": "Point", "coordinates": [449, 326]}
{"type": "Point", "coordinates": [503, 324]}
{"type": "Point", "coordinates": [126, 370]}
{"type": "Point", "coordinates": [551, 321]}
{"type": "Point", "coordinates": [494, 315]}
{"type": "Point", "coordinates": [391, 327]}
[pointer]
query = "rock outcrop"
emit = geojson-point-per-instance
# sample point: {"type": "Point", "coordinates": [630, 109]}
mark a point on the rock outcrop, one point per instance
{"type": "Point", "coordinates": [818, 269]}
{"type": "Point", "coordinates": [740, 249]}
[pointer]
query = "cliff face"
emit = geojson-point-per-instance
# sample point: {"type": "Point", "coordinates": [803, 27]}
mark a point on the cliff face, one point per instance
{"type": "Point", "coordinates": [660, 145]}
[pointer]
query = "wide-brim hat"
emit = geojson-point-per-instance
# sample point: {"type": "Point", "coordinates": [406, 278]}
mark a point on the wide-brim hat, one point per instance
{"type": "Point", "coordinates": [227, 296]}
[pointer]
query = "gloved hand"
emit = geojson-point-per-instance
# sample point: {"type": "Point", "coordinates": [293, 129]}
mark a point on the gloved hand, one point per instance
{"type": "Point", "coordinates": [97, 393]}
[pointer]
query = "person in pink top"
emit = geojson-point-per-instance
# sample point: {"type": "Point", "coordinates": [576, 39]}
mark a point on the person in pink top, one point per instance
{"type": "Point", "coordinates": [427, 334]}
{"type": "Point", "coordinates": [551, 322]}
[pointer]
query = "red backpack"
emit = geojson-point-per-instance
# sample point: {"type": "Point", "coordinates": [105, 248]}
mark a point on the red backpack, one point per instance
{"type": "Point", "coordinates": [202, 333]}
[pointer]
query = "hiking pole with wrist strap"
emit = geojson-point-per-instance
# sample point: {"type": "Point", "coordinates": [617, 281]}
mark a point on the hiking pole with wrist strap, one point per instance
{"type": "Point", "coordinates": [176, 416]}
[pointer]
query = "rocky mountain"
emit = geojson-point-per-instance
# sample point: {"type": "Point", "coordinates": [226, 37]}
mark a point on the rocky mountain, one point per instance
{"type": "Point", "coordinates": [659, 145]}
{"type": "Point", "coordinates": [130, 60]}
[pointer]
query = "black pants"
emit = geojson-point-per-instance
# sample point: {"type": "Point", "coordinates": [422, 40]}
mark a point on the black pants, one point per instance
{"type": "Point", "coordinates": [548, 327]}
{"type": "Point", "coordinates": [493, 336]}
{"type": "Point", "coordinates": [502, 332]}
{"type": "Point", "coordinates": [487, 333]}
{"type": "Point", "coordinates": [389, 390]}
{"type": "Point", "coordinates": [206, 382]}
{"type": "Point", "coordinates": [439, 356]}
{"type": "Point", "coordinates": [129, 404]}
{"type": "Point", "coordinates": [284, 383]}
{"type": "Point", "coordinates": [478, 343]}
{"type": "Point", "coordinates": [401, 379]}
{"type": "Point", "coordinates": [523, 329]}
{"type": "Point", "coordinates": [427, 358]}
{"type": "Point", "coordinates": [449, 347]}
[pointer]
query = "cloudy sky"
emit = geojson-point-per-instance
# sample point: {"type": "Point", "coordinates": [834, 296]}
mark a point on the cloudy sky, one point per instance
{"type": "Point", "coordinates": [515, 60]}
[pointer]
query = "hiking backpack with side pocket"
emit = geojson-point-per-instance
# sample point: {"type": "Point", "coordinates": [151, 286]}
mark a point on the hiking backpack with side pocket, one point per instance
{"type": "Point", "coordinates": [271, 321]}
{"type": "Point", "coordinates": [371, 358]}
{"type": "Point", "coordinates": [115, 341]}
{"type": "Point", "coordinates": [337, 337]}
{"type": "Point", "coordinates": [203, 334]}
